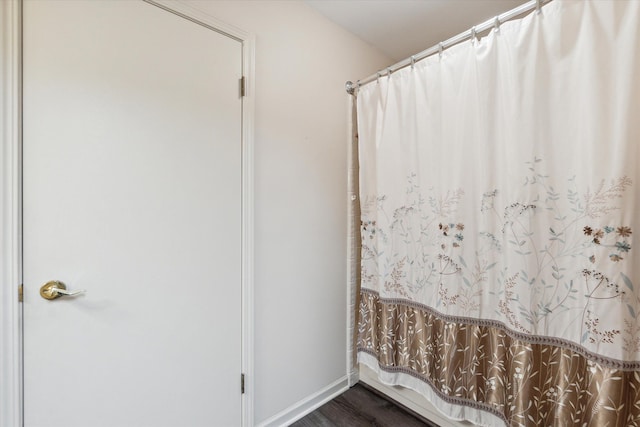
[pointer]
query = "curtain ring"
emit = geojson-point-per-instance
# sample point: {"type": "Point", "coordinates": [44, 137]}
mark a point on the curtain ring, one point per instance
{"type": "Point", "coordinates": [389, 71]}
{"type": "Point", "coordinates": [378, 77]}
{"type": "Point", "coordinates": [358, 84]}
{"type": "Point", "coordinates": [413, 61]}
{"type": "Point", "coordinates": [473, 35]}
{"type": "Point", "coordinates": [440, 49]}
{"type": "Point", "coordinates": [496, 24]}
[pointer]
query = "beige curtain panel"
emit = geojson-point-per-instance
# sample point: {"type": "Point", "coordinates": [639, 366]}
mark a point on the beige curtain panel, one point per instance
{"type": "Point", "coordinates": [499, 198]}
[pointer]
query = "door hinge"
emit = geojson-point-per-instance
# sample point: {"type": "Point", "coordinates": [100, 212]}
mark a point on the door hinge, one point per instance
{"type": "Point", "coordinates": [242, 383]}
{"type": "Point", "coordinates": [242, 86]}
{"type": "Point", "coordinates": [20, 293]}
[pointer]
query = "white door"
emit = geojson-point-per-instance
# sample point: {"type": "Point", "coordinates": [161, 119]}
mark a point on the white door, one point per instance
{"type": "Point", "coordinates": [132, 191]}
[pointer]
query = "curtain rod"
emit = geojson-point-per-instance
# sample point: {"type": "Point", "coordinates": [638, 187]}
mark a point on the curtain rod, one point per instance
{"type": "Point", "coordinates": [469, 34]}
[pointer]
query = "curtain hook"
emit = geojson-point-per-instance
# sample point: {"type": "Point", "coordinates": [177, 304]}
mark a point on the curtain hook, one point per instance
{"type": "Point", "coordinates": [473, 35]}
{"type": "Point", "coordinates": [496, 24]}
{"type": "Point", "coordinates": [358, 84]}
{"type": "Point", "coordinates": [378, 77]}
{"type": "Point", "coordinates": [413, 61]}
{"type": "Point", "coordinates": [440, 49]}
{"type": "Point", "coordinates": [538, 7]}
{"type": "Point", "coordinates": [389, 71]}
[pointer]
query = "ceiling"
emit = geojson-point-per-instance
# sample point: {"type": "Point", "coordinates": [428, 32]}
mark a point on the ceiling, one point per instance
{"type": "Point", "coordinates": [401, 28]}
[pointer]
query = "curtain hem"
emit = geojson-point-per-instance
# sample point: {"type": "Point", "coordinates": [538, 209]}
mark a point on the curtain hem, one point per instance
{"type": "Point", "coordinates": [455, 412]}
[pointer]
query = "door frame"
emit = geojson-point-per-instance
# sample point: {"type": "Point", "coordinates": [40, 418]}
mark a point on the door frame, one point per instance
{"type": "Point", "coordinates": [11, 326]}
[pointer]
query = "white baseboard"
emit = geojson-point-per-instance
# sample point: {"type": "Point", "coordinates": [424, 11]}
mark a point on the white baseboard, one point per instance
{"type": "Point", "coordinates": [354, 376]}
{"type": "Point", "coordinates": [409, 398]}
{"type": "Point", "coordinates": [307, 405]}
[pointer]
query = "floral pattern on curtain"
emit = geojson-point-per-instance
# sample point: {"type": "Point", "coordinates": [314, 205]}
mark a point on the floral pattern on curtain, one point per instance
{"type": "Point", "coordinates": [499, 198]}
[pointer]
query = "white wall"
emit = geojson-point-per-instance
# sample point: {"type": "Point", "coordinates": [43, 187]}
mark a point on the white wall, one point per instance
{"type": "Point", "coordinates": [302, 63]}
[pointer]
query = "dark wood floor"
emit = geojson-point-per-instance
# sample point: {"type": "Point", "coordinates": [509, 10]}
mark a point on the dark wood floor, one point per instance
{"type": "Point", "coordinates": [362, 406]}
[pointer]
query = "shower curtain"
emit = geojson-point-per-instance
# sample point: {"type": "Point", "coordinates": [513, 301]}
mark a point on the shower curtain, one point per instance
{"type": "Point", "coordinates": [500, 202]}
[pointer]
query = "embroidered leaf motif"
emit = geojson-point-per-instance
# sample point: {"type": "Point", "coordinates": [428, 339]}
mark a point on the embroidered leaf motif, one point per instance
{"type": "Point", "coordinates": [596, 202]}
{"type": "Point", "coordinates": [631, 311]}
{"type": "Point", "coordinates": [584, 336]}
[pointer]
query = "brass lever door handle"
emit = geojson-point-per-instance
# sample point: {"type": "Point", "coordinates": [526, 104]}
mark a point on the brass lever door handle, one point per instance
{"type": "Point", "coordinates": [55, 289]}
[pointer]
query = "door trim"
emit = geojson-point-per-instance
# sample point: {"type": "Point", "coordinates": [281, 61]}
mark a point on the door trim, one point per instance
{"type": "Point", "coordinates": [11, 370]}
{"type": "Point", "coordinates": [11, 215]}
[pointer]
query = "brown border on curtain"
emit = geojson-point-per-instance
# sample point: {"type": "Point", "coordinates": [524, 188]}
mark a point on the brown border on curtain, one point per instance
{"type": "Point", "coordinates": [480, 365]}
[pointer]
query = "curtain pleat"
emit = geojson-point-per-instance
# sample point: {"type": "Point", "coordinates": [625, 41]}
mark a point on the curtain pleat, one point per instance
{"type": "Point", "coordinates": [354, 240]}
